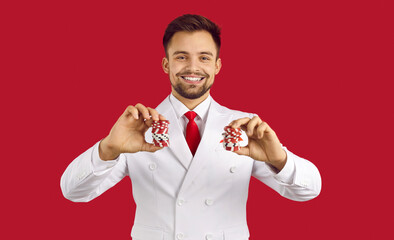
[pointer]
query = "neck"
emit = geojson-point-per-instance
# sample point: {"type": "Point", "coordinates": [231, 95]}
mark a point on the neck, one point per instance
{"type": "Point", "coordinates": [190, 103]}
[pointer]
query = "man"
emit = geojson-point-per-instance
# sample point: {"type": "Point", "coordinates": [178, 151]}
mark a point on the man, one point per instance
{"type": "Point", "coordinates": [182, 192]}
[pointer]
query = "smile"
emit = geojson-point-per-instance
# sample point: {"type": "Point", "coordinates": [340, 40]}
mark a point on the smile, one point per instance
{"type": "Point", "coordinates": [192, 79]}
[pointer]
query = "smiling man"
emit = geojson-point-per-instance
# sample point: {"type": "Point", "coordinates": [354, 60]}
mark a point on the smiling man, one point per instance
{"type": "Point", "coordinates": [193, 189]}
{"type": "Point", "coordinates": [191, 63]}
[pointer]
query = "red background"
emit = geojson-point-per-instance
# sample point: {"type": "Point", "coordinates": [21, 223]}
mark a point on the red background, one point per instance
{"type": "Point", "coordinates": [319, 72]}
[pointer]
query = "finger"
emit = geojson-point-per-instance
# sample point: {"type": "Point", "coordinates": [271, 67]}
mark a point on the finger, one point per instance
{"type": "Point", "coordinates": [252, 125]}
{"type": "Point", "coordinates": [243, 151]}
{"type": "Point", "coordinates": [153, 113]}
{"type": "Point", "coordinates": [143, 110]}
{"type": "Point", "coordinates": [149, 122]}
{"type": "Point", "coordinates": [237, 123]}
{"type": "Point", "coordinates": [131, 110]}
{"type": "Point", "coordinates": [261, 129]}
{"type": "Point", "coordinates": [150, 147]}
{"type": "Point", "coordinates": [161, 117]}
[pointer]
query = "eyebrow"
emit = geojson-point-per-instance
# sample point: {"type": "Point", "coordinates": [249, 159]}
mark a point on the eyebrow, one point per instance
{"type": "Point", "coordinates": [207, 53]}
{"type": "Point", "coordinates": [184, 52]}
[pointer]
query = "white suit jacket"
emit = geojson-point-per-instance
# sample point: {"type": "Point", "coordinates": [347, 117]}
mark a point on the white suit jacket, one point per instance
{"type": "Point", "coordinates": [179, 196]}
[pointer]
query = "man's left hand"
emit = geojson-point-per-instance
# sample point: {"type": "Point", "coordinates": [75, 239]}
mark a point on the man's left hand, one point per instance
{"type": "Point", "coordinates": [263, 144]}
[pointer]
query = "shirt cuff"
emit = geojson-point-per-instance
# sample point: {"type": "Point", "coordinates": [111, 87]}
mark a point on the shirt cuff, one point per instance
{"type": "Point", "coordinates": [286, 175]}
{"type": "Point", "coordinates": [98, 164]}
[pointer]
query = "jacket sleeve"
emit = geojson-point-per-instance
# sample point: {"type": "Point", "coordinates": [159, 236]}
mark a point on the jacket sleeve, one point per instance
{"type": "Point", "coordinates": [299, 180]}
{"type": "Point", "coordinates": [88, 176]}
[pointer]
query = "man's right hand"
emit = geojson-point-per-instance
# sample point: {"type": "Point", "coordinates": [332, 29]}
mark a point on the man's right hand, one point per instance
{"type": "Point", "coordinates": [128, 133]}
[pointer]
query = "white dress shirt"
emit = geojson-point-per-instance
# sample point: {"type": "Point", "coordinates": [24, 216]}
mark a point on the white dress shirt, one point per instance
{"type": "Point", "coordinates": [201, 110]}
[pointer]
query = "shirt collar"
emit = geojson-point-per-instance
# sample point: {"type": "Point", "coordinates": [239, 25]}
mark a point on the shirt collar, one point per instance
{"type": "Point", "coordinates": [201, 109]}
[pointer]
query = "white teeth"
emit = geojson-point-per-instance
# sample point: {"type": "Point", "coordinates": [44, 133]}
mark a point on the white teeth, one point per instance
{"type": "Point", "coordinates": [192, 78]}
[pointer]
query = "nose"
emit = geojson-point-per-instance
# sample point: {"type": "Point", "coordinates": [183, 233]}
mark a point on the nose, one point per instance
{"type": "Point", "coordinates": [193, 66]}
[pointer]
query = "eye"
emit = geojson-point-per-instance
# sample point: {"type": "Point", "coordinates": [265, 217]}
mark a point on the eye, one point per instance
{"type": "Point", "coordinates": [205, 58]}
{"type": "Point", "coordinates": [181, 57]}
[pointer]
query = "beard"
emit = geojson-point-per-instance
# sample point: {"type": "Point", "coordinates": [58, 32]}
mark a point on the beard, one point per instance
{"type": "Point", "coordinates": [185, 92]}
{"type": "Point", "coordinates": [191, 91]}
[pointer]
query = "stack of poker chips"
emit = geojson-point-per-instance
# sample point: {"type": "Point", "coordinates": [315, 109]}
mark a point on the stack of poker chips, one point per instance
{"type": "Point", "coordinates": [231, 138]}
{"type": "Point", "coordinates": [160, 133]}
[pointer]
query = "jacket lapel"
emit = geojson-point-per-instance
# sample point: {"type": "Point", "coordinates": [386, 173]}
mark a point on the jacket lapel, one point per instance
{"type": "Point", "coordinates": [178, 144]}
{"type": "Point", "coordinates": [214, 128]}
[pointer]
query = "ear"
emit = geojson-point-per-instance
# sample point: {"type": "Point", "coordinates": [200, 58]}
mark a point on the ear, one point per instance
{"type": "Point", "coordinates": [218, 66]}
{"type": "Point", "coordinates": [164, 64]}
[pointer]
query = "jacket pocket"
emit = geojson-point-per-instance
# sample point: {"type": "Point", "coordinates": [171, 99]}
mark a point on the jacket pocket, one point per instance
{"type": "Point", "coordinates": [236, 233]}
{"type": "Point", "coordinates": [145, 232]}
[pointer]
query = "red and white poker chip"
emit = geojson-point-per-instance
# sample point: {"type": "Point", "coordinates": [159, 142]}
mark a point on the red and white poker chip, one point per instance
{"type": "Point", "coordinates": [160, 133]}
{"type": "Point", "coordinates": [231, 138]}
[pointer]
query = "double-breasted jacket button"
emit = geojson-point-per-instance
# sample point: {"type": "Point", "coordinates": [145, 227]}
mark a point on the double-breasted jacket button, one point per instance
{"type": "Point", "coordinates": [180, 202]}
{"type": "Point", "coordinates": [209, 236]}
{"type": "Point", "coordinates": [152, 166]}
{"type": "Point", "coordinates": [180, 236]}
{"type": "Point", "coordinates": [208, 202]}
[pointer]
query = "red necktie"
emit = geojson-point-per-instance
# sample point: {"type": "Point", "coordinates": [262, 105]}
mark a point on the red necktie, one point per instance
{"type": "Point", "coordinates": [192, 133]}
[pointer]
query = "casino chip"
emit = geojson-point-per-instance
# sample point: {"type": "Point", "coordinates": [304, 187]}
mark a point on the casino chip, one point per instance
{"type": "Point", "coordinates": [231, 138]}
{"type": "Point", "coordinates": [160, 133]}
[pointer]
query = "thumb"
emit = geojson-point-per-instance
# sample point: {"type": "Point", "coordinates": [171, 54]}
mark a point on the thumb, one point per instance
{"type": "Point", "coordinates": [150, 147]}
{"type": "Point", "coordinates": [243, 151]}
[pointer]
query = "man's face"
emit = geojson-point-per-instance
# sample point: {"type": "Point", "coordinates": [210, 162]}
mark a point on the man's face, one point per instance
{"type": "Point", "coordinates": [191, 63]}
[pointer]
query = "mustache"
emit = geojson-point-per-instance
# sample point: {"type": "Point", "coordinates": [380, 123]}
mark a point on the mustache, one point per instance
{"type": "Point", "coordinates": [192, 73]}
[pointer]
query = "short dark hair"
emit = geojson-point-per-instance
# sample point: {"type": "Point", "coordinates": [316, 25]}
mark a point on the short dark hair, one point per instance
{"type": "Point", "coordinates": [191, 23]}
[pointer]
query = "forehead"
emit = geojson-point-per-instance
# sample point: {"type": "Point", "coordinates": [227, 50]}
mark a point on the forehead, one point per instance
{"type": "Point", "coordinates": [192, 42]}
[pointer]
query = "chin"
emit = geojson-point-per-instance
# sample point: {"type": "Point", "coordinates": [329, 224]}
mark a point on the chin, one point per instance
{"type": "Point", "coordinates": [193, 94]}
